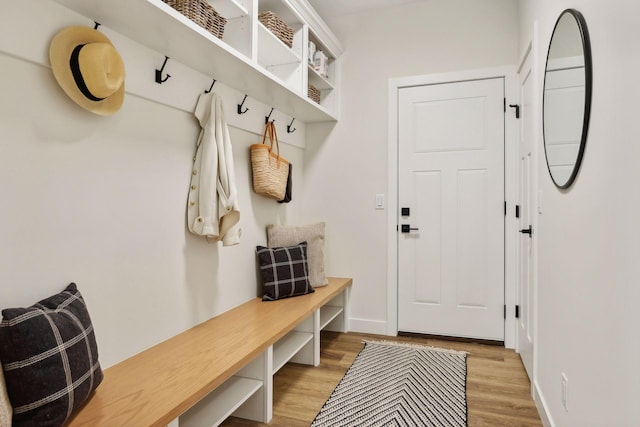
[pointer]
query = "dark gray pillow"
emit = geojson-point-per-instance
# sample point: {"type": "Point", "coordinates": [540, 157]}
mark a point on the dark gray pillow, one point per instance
{"type": "Point", "coordinates": [284, 271]}
{"type": "Point", "coordinates": [50, 358]}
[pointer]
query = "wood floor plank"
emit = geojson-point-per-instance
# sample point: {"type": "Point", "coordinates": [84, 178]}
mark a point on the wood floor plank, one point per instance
{"type": "Point", "coordinates": [498, 389]}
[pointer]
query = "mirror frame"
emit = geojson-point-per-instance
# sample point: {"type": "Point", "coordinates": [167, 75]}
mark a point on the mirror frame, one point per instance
{"type": "Point", "coordinates": [588, 71]}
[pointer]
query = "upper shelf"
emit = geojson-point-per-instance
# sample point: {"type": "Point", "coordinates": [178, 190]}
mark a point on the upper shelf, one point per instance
{"type": "Point", "coordinates": [230, 9]}
{"type": "Point", "coordinates": [163, 29]}
{"type": "Point", "coordinates": [272, 51]}
{"type": "Point", "coordinates": [319, 81]}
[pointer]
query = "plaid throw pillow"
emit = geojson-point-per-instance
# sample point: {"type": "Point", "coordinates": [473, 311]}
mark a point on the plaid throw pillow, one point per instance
{"type": "Point", "coordinates": [285, 272]}
{"type": "Point", "coordinates": [50, 358]}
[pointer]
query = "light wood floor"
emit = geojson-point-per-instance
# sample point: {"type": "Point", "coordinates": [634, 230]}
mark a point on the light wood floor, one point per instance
{"type": "Point", "coordinates": [498, 389]}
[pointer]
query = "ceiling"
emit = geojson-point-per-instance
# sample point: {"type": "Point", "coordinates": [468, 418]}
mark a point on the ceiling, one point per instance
{"type": "Point", "coordinates": [329, 8]}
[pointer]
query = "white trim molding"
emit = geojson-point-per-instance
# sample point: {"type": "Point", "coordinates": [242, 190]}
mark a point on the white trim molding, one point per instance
{"type": "Point", "coordinates": [511, 187]}
{"type": "Point", "coordinates": [318, 26]}
{"type": "Point", "coordinates": [541, 405]}
{"type": "Point", "coordinates": [368, 326]}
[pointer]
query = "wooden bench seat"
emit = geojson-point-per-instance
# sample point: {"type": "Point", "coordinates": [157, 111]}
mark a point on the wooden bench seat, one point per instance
{"type": "Point", "coordinates": [156, 386]}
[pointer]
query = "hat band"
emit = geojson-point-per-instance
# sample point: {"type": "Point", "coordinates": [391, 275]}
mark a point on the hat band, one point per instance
{"type": "Point", "coordinates": [77, 74]}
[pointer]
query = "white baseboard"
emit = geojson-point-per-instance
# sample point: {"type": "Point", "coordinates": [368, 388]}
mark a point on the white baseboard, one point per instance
{"type": "Point", "coordinates": [541, 405]}
{"type": "Point", "coordinates": [367, 326]}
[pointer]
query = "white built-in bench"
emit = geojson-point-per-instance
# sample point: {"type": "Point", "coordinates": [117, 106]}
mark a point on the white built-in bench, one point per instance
{"type": "Point", "coordinates": [221, 367]}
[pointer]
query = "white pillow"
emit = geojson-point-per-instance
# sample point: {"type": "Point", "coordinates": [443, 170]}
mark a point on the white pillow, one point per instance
{"type": "Point", "coordinates": [5, 405]}
{"type": "Point", "coordinates": [313, 234]}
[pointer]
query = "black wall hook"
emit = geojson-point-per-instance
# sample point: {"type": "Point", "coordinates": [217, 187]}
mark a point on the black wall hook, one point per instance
{"type": "Point", "coordinates": [97, 24]}
{"type": "Point", "coordinates": [290, 128]}
{"type": "Point", "coordinates": [159, 78]}
{"type": "Point", "coordinates": [266, 119]}
{"type": "Point", "coordinates": [240, 110]}
{"type": "Point", "coordinates": [211, 88]}
{"type": "Point", "coordinates": [517, 107]}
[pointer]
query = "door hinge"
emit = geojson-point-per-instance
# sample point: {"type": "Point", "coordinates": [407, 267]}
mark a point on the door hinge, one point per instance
{"type": "Point", "coordinates": [517, 107]}
{"type": "Point", "coordinates": [517, 211]}
{"type": "Point", "coordinates": [517, 311]}
{"type": "Point", "coordinates": [504, 104]}
{"type": "Point", "coordinates": [505, 208]}
{"type": "Point", "coordinates": [505, 311]}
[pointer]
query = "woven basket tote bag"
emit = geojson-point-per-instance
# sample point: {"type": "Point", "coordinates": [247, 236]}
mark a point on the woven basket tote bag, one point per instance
{"type": "Point", "coordinates": [270, 170]}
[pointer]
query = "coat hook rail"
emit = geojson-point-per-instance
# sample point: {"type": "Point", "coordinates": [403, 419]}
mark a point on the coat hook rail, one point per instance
{"type": "Point", "coordinates": [211, 88]}
{"type": "Point", "coordinates": [159, 78]}
{"type": "Point", "coordinates": [266, 119]}
{"type": "Point", "coordinates": [240, 110]}
{"type": "Point", "coordinates": [97, 24]}
{"type": "Point", "coordinates": [290, 128]}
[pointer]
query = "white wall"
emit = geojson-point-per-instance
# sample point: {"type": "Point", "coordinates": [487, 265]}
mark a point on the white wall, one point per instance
{"type": "Point", "coordinates": [421, 38]}
{"type": "Point", "coordinates": [587, 322]}
{"type": "Point", "coordinates": [101, 200]}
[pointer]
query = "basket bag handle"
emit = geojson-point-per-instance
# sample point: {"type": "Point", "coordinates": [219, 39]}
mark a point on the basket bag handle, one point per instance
{"type": "Point", "coordinates": [270, 129]}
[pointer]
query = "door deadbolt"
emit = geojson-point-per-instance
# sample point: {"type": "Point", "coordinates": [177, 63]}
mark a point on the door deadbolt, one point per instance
{"type": "Point", "coordinates": [406, 228]}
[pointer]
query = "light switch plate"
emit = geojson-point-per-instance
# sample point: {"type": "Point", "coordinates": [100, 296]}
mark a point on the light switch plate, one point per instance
{"type": "Point", "coordinates": [539, 201]}
{"type": "Point", "coordinates": [379, 201]}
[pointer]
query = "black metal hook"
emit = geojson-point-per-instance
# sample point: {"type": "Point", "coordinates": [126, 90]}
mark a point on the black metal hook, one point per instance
{"type": "Point", "coordinates": [240, 110]}
{"type": "Point", "coordinates": [97, 24]}
{"type": "Point", "coordinates": [517, 107]}
{"type": "Point", "coordinates": [159, 78]}
{"type": "Point", "coordinates": [211, 88]}
{"type": "Point", "coordinates": [291, 129]}
{"type": "Point", "coordinates": [266, 119]}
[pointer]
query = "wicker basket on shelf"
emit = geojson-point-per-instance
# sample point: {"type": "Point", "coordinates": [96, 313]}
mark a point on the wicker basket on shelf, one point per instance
{"type": "Point", "coordinates": [202, 13]}
{"type": "Point", "coordinates": [277, 26]}
{"type": "Point", "coordinates": [314, 93]}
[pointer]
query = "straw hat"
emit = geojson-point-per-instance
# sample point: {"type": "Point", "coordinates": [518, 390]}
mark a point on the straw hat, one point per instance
{"type": "Point", "coordinates": [88, 68]}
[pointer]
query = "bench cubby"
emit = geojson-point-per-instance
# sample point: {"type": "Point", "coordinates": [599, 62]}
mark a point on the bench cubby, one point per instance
{"type": "Point", "coordinates": [221, 367]}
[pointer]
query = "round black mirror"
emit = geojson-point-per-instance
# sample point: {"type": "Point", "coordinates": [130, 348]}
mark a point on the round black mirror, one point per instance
{"type": "Point", "coordinates": [566, 100]}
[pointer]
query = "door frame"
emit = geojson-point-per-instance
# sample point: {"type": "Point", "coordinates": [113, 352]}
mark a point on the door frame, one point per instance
{"type": "Point", "coordinates": [532, 51]}
{"type": "Point", "coordinates": [531, 54]}
{"type": "Point", "coordinates": [511, 187]}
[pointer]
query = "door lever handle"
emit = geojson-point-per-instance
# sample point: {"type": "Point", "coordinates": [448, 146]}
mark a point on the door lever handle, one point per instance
{"type": "Point", "coordinates": [406, 228]}
{"type": "Point", "coordinates": [528, 231]}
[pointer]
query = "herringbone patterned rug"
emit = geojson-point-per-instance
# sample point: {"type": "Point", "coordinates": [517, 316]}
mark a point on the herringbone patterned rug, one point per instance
{"type": "Point", "coordinates": [395, 384]}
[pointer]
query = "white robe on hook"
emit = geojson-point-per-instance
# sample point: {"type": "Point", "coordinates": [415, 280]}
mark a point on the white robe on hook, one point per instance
{"type": "Point", "coordinates": [212, 209]}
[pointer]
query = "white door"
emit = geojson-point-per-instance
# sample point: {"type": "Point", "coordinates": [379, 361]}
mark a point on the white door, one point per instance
{"type": "Point", "coordinates": [451, 177]}
{"type": "Point", "coordinates": [528, 135]}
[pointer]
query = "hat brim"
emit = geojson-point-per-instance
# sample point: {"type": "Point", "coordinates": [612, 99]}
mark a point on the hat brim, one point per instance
{"type": "Point", "coordinates": [60, 49]}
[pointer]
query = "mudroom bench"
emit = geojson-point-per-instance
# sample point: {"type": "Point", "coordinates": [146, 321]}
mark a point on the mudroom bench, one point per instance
{"type": "Point", "coordinates": [220, 367]}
